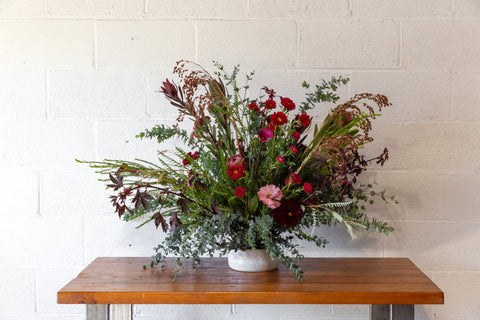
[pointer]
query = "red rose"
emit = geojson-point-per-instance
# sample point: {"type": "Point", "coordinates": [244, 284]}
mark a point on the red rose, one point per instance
{"type": "Point", "coordinates": [296, 135]}
{"type": "Point", "coordinates": [287, 103]}
{"type": "Point", "coordinates": [235, 172]}
{"type": "Point", "coordinates": [288, 214]}
{"type": "Point", "coordinates": [280, 159]}
{"type": "Point", "coordinates": [270, 104]}
{"type": "Point", "coordinates": [307, 187]}
{"type": "Point", "coordinates": [278, 118]}
{"type": "Point", "coordinates": [239, 192]}
{"type": "Point", "coordinates": [253, 106]}
{"type": "Point", "coordinates": [294, 149]}
{"type": "Point", "coordinates": [304, 120]}
{"type": "Point", "coordinates": [296, 178]}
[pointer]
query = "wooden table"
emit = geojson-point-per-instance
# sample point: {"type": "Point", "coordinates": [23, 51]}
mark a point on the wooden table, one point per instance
{"type": "Point", "coordinates": [381, 282]}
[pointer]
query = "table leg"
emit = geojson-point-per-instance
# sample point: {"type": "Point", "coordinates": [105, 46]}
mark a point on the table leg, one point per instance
{"type": "Point", "coordinates": [121, 312]}
{"type": "Point", "coordinates": [403, 312]}
{"type": "Point", "coordinates": [380, 312]}
{"type": "Point", "coordinates": [97, 311]}
{"type": "Point", "coordinates": [398, 312]}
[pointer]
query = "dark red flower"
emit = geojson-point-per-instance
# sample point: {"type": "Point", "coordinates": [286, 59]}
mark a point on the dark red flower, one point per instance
{"type": "Point", "coordinates": [265, 133]}
{"type": "Point", "coordinates": [235, 172]}
{"type": "Point", "coordinates": [296, 135]}
{"type": "Point", "coordinates": [348, 118]}
{"type": "Point", "coordinates": [273, 126]}
{"type": "Point", "coordinates": [294, 149]}
{"type": "Point", "coordinates": [287, 103]}
{"type": "Point", "coordinates": [278, 118]}
{"type": "Point", "coordinates": [304, 119]}
{"type": "Point", "coordinates": [270, 104]}
{"type": "Point", "coordinates": [253, 106]}
{"type": "Point", "coordinates": [271, 93]}
{"type": "Point", "coordinates": [169, 89]}
{"type": "Point", "coordinates": [296, 178]}
{"type": "Point", "coordinates": [288, 214]}
{"type": "Point", "coordinates": [239, 192]}
{"type": "Point", "coordinates": [186, 160]}
{"type": "Point", "coordinates": [280, 159]}
{"type": "Point", "coordinates": [307, 187]}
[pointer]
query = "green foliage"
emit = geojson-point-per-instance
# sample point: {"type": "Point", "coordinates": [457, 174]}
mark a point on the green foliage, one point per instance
{"type": "Point", "coordinates": [162, 133]}
{"type": "Point", "coordinates": [324, 92]}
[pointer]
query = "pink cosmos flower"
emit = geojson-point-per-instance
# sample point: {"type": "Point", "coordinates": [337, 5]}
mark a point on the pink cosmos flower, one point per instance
{"type": "Point", "coordinates": [270, 195]}
{"type": "Point", "coordinates": [265, 133]}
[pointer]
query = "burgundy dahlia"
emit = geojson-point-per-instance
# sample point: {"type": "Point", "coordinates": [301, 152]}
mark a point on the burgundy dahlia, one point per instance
{"type": "Point", "coordinates": [288, 214]}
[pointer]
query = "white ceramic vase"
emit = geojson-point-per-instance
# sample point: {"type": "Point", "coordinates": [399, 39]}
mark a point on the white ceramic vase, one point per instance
{"type": "Point", "coordinates": [252, 261]}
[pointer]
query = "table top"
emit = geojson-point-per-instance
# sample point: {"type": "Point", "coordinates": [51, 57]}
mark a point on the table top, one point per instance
{"type": "Point", "coordinates": [327, 281]}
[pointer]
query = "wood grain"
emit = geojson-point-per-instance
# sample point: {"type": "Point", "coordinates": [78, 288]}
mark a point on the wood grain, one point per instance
{"type": "Point", "coordinates": [327, 281]}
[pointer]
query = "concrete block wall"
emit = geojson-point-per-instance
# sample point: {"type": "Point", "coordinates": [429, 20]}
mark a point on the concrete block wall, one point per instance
{"type": "Point", "coordinates": [78, 80]}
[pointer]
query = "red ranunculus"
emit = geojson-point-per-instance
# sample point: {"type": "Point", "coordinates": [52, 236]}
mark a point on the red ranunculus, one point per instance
{"type": "Point", "coordinates": [240, 192]}
{"type": "Point", "coordinates": [270, 104]}
{"type": "Point", "coordinates": [304, 119]}
{"type": "Point", "coordinates": [307, 187]}
{"type": "Point", "coordinates": [294, 149]}
{"type": "Point", "coordinates": [265, 133]}
{"type": "Point", "coordinates": [280, 159]}
{"type": "Point", "coordinates": [288, 214]}
{"type": "Point", "coordinates": [253, 106]}
{"type": "Point", "coordinates": [296, 178]}
{"type": "Point", "coordinates": [287, 103]}
{"type": "Point", "coordinates": [296, 135]}
{"type": "Point", "coordinates": [278, 118]}
{"type": "Point", "coordinates": [235, 172]}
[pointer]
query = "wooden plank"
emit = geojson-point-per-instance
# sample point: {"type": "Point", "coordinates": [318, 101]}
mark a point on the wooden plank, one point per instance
{"type": "Point", "coordinates": [403, 312]}
{"type": "Point", "coordinates": [327, 281]}
{"type": "Point", "coordinates": [97, 311]}
{"type": "Point", "coordinates": [380, 312]}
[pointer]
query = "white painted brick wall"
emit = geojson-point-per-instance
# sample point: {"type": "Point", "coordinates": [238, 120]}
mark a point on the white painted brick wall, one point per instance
{"type": "Point", "coordinates": [78, 80]}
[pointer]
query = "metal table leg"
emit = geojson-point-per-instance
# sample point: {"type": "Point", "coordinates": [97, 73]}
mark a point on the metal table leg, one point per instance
{"type": "Point", "coordinates": [103, 312]}
{"type": "Point", "coordinates": [398, 312]}
{"type": "Point", "coordinates": [97, 311]}
{"type": "Point", "coordinates": [403, 311]}
{"type": "Point", "coordinates": [121, 312]}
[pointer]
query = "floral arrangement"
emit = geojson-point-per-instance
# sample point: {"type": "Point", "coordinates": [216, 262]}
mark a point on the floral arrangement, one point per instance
{"type": "Point", "coordinates": [255, 173]}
